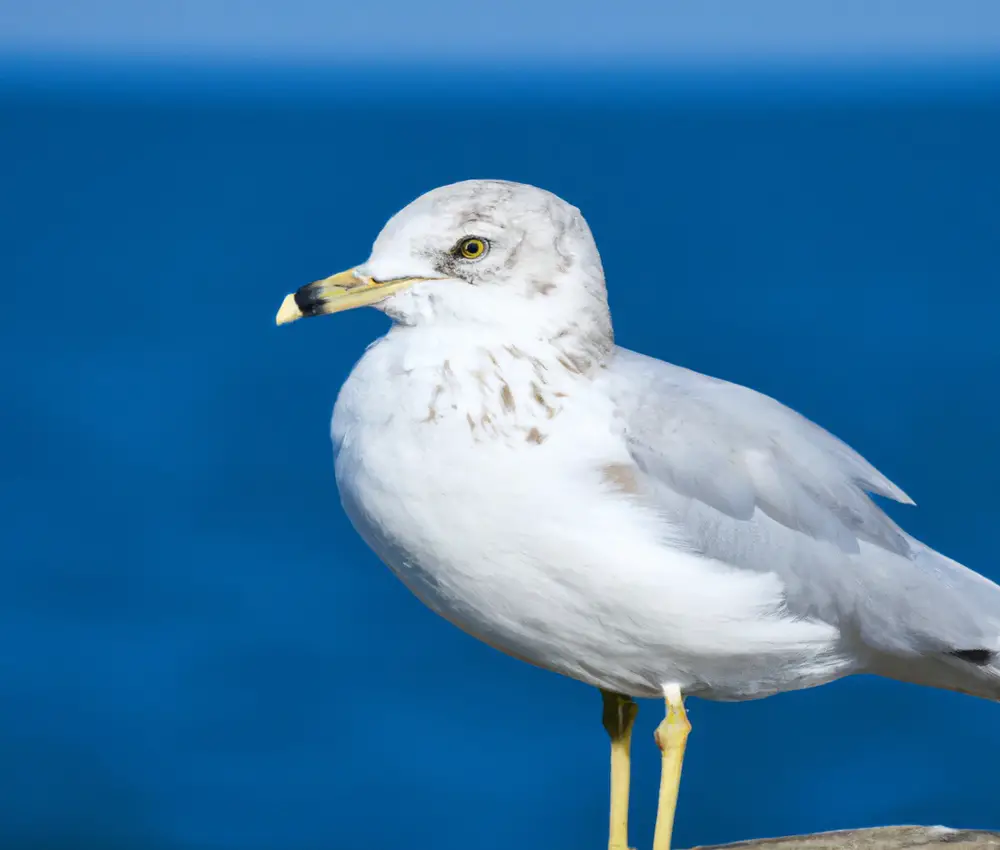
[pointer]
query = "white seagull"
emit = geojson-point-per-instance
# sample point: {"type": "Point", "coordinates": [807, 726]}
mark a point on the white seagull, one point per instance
{"type": "Point", "coordinates": [629, 523]}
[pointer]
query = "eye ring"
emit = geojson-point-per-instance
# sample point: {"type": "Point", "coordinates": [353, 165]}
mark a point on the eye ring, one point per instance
{"type": "Point", "coordinates": [472, 248]}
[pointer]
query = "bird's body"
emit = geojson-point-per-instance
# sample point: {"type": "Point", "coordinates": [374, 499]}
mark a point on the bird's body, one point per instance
{"type": "Point", "coordinates": [608, 516]}
{"type": "Point", "coordinates": [589, 565]}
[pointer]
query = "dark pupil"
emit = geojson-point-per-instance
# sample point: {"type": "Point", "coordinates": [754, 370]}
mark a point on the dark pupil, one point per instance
{"type": "Point", "coordinates": [473, 247]}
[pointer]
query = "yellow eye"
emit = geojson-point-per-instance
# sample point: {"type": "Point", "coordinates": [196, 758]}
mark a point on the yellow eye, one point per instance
{"type": "Point", "coordinates": [473, 248]}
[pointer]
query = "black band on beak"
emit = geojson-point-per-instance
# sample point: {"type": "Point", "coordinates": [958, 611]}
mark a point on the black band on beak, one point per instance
{"type": "Point", "coordinates": [309, 300]}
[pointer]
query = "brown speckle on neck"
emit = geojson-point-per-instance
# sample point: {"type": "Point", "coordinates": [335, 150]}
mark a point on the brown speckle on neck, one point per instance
{"type": "Point", "coordinates": [570, 366]}
{"type": "Point", "coordinates": [535, 436]}
{"type": "Point", "coordinates": [536, 392]}
{"type": "Point", "coordinates": [507, 398]}
{"type": "Point", "coordinates": [432, 413]}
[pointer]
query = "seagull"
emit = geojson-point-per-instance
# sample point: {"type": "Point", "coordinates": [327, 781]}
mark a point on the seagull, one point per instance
{"type": "Point", "coordinates": [631, 524]}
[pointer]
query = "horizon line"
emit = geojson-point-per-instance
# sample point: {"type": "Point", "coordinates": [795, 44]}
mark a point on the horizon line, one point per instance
{"type": "Point", "coordinates": [203, 78]}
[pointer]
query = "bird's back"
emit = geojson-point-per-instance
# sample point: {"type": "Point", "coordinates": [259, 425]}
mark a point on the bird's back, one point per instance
{"type": "Point", "coordinates": [757, 486]}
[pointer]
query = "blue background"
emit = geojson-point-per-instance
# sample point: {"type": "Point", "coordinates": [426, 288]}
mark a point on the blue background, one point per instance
{"type": "Point", "coordinates": [198, 652]}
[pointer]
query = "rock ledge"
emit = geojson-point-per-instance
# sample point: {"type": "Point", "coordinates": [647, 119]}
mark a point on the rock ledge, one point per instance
{"type": "Point", "coordinates": [882, 838]}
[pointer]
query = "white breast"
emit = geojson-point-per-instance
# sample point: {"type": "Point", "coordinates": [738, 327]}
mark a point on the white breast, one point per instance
{"type": "Point", "coordinates": [477, 474]}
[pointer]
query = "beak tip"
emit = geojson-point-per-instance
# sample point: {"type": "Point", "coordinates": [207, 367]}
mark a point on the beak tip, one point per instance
{"type": "Point", "coordinates": [288, 312]}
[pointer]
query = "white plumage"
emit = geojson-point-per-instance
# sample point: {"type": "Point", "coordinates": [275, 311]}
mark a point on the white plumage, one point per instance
{"type": "Point", "coordinates": [606, 515]}
{"type": "Point", "coordinates": [610, 516]}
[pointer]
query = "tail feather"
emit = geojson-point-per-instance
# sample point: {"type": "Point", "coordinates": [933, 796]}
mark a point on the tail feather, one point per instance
{"type": "Point", "coordinates": [944, 672]}
{"type": "Point", "coordinates": [954, 642]}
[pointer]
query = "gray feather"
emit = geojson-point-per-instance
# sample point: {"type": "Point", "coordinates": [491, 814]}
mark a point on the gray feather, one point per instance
{"type": "Point", "coordinates": [740, 451]}
{"type": "Point", "coordinates": [758, 486]}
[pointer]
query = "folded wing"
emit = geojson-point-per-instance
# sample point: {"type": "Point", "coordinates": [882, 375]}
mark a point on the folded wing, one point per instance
{"type": "Point", "coordinates": [739, 451]}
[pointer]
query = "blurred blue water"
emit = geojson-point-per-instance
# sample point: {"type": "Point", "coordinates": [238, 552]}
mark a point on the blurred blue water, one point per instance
{"type": "Point", "coordinates": [198, 651]}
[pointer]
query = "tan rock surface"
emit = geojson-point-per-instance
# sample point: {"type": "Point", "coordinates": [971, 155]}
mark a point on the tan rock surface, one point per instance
{"type": "Point", "coordinates": [882, 838]}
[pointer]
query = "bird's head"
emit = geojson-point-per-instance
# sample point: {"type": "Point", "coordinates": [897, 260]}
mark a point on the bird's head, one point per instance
{"type": "Point", "coordinates": [503, 258]}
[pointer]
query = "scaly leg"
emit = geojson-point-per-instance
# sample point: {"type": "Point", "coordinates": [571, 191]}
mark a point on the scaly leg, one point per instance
{"type": "Point", "coordinates": [671, 738]}
{"type": "Point", "coordinates": [619, 715]}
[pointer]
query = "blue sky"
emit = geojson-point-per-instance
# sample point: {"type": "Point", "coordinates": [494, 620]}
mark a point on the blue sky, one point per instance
{"type": "Point", "coordinates": [577, 31]}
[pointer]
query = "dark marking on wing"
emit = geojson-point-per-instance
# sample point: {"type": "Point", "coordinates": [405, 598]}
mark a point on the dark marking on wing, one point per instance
{"type": "Point", "coordinates": [979, 657]}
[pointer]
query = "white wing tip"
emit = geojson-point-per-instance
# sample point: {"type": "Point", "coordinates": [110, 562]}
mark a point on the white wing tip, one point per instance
{"type": "Point", "coordinates": [886, 488]}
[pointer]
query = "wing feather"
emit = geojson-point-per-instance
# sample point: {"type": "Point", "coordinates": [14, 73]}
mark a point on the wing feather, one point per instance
{"type": "Point", "coordinates": [739, 451]}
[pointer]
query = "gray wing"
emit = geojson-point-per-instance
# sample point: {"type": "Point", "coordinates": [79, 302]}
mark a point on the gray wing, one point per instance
{"type": "Point", "coordinates": [757, 486]}
{"type": "Point", "coordinates": [739, 451]}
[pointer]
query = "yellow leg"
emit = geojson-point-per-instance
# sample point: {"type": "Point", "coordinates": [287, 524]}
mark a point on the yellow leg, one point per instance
{"type": "Point", "coordinates": [619, 715]}
{"type": "Point", "coordinates": [671, 738]}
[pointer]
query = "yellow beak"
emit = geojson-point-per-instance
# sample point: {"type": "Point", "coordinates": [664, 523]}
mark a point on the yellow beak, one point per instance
{"type": "Point", "coordinates": [342, 291]}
